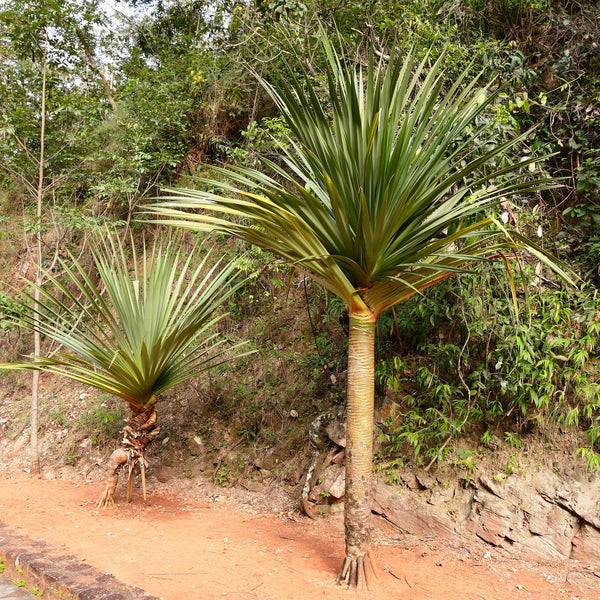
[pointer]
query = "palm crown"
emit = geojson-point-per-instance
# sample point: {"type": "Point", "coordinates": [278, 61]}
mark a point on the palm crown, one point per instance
{"type": "Point", "coordinates": [378, 197]}
{"type": "Point", "coordinates": [144, 333]}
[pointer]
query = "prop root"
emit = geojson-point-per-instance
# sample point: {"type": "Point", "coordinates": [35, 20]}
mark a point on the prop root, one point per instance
{"type": "Point", "coordinates": [140, 430]}
{"type": "Point", "coordinates": [358, 572]}
{"type": "Point", "coordinates": [117, 458]}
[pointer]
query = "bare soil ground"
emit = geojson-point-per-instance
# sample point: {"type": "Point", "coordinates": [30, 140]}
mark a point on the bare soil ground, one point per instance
{"type": "Point", "coordinates": [199, 541]}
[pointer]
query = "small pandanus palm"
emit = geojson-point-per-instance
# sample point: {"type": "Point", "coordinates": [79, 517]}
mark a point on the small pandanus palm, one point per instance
{"type": "Point", "coordinates": [147, 326]}
{"type": "Point", "coordinates": [379, 196]}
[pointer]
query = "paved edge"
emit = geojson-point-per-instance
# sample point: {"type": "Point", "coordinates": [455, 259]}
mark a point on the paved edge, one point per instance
{"type": "Point", "coordinates": [46, 573]}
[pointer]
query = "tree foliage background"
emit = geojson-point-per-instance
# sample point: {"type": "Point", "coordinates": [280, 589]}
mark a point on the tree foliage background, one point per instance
{"type": "Point", "coordinates": [142, 94]}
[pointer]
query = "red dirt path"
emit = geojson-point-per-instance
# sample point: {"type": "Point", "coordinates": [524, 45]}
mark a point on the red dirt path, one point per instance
{"type": "Point", "coordinates": [185, 548]}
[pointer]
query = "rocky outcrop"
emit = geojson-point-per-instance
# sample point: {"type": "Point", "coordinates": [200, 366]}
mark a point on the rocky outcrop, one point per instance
{"type": "Point", "coordinates": [330, 484]}
{"type": "Point", "coordinates": [545, 514]}
{"type": "Point", "coordinates": [409, 513]}
{"type": "Point", "coordinates": [542, 513]}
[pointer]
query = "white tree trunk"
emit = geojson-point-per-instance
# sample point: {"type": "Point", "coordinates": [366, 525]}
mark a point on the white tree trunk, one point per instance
{"type": "Point", "coordinates": [37, 342]}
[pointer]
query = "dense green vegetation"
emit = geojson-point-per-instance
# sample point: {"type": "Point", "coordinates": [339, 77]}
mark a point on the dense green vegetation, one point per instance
{"type": "Point", "coordinates": [379, 197]}
{"type": "Point", "coordinates": [144, 99]}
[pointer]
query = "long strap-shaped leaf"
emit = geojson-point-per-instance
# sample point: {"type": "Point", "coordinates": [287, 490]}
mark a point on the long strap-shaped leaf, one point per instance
{"type": "Point", "coordinates": [147, 332]}
{"type": "Point", "coordinates": [374, 177]}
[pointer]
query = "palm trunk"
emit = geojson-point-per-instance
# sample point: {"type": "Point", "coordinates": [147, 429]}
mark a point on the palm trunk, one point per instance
{"type": "Point", "coordinates": [358, 569]}
{"type": "Point", "coordinates": [141, 429]}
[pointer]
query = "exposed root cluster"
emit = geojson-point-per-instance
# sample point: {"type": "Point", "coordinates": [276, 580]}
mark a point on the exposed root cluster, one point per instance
{"type": "Point", "coordinates": [358, 572]}
{"type": "Point", "coordinates": [141, 429]}
{"type": "Point", "coordinates": [117, 458]}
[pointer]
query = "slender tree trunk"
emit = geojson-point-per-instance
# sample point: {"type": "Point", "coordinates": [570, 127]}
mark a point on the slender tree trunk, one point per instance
{"type": "Point", "coordinates": [94, 66]}
{"type": "Point", "coordinates": [358, 569]}
{"type": "Point", "coordinates": [37, 342]}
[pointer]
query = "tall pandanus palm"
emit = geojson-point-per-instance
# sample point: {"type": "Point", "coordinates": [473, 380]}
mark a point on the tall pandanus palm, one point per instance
{"type": "Point", "coordinates": [381, 194]}
{"type": "Point", "coordinates": [147, 326]}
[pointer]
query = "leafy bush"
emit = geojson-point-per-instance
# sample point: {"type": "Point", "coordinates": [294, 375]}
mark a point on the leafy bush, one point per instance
{"type": "Point", "coordinates": [471, 365]}
{"type": "Point", "coordinates": [104, 422]}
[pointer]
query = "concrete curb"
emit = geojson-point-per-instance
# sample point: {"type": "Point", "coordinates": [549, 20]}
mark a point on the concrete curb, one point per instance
{"type": "Point", "coordinates": [46, 573]}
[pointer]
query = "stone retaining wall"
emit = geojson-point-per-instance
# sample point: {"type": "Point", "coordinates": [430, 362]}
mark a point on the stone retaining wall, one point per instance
{"type": "Point", "coordinates": [48, 574]}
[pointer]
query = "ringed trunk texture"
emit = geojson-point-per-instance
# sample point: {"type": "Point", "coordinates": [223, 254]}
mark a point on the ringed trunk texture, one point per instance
{"type": "Point", "coordinates": [358, 569]}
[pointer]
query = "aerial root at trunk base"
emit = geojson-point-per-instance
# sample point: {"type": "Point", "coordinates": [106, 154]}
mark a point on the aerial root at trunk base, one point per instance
{"type": "Point", "coordinates": [117, 458]}
{"type": "Point", "coordinates": [358, 572]}
{"type": "Point", "coordinates": [107, 499]}
{"type": "Point", "coordinates": [141, 429]}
